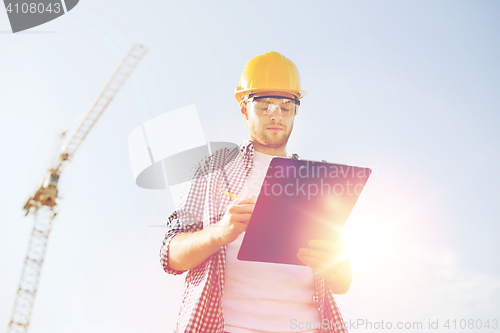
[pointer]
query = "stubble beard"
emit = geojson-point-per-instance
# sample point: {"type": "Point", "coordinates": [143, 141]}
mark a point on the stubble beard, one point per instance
{"type": "Point", "coordinates": [270, 140]}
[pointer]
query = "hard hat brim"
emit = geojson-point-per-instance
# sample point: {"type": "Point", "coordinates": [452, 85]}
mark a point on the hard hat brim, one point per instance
{"type": "Point", "coordinates": [239, 92]}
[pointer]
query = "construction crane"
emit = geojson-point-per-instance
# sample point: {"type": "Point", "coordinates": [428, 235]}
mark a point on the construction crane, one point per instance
{"type": "Point", "coordinates": [42, 203]}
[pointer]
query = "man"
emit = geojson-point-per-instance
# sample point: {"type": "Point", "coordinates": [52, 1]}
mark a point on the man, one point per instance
{"type": "Point", "coordinates": [222, 293]}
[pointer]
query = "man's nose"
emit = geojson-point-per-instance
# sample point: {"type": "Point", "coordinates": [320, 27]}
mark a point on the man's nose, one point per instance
{"type": "Point", "coordinates": [276, 114]}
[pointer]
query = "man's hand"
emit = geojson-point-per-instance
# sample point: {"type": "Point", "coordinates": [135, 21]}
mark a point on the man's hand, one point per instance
{"type": "Point", "coordinates": [236, 219]}
{"type": "Point", "coordinates": [326, 258]}
{"type": "Point", "coordinates": [190, 249]}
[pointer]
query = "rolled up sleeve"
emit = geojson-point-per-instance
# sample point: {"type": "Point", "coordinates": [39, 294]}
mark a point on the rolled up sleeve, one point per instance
{"type": "Point", "coordinates": [188, 217]}
{"type": "Point", "coordinates": [168, 238]}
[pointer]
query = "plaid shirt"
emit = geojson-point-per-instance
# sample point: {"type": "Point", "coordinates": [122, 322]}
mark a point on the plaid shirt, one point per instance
{"type": "Point", "coordinates": [201, 205]}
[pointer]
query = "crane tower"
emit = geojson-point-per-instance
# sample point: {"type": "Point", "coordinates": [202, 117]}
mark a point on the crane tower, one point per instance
{"type": "Point", "coordinates": [42, 203]}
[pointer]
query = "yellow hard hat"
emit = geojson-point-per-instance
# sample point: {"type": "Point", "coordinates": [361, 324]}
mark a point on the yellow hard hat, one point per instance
{"type": "Point", "coordinates": [269, 72]}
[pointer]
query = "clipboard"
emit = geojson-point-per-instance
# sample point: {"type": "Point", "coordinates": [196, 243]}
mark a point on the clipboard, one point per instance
{"type": "Point", "coordinates": [300, 200]}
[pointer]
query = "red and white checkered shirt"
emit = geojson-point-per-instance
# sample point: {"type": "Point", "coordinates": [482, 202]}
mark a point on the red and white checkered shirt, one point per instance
{"type": "Point", "coordinates": [201, 205]}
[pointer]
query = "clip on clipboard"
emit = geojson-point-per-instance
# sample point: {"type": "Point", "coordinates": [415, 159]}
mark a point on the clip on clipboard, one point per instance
{"type": "Point", "coordinates": [299, 201]}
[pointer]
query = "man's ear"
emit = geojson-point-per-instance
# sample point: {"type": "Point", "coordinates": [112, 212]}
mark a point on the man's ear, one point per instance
{"type": "Point", "coordinates": [243, 109]}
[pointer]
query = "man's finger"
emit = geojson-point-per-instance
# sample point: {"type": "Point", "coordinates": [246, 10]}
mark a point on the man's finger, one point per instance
{"type": "Point", "coordinates": [320, 254]}
{"type": "Point", "coordinates": [325, 244]}
{"type": "Point", "coordinates": [246, 200]}
{"type": "Point", "coordinates": [318, 269]}
{"type": "Point", "coordinates": [241, 209]}
{"type": "Point", "coordinates": [330, 266]}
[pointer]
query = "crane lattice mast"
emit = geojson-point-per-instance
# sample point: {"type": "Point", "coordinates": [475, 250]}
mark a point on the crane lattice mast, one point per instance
{"type": "Point", "coordinates": [42, 203]}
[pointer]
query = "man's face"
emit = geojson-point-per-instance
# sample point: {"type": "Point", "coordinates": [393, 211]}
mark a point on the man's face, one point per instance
{"type": "Point", "coordinates": [270, 130]}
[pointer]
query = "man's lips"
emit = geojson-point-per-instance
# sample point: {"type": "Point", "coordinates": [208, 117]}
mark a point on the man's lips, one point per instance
{"type": "Point", "coordinates": [275, 129]}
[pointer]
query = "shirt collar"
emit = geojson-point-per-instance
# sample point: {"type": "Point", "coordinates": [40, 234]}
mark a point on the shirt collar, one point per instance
{"type": "Point", "coordinates": [247, 149]}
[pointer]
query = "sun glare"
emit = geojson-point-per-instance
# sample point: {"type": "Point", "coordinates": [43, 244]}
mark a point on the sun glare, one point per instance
{"type": "Point", "coordinates": [366, 242]}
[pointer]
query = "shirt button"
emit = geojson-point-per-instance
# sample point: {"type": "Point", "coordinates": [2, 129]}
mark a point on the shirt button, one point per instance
{"type": "Point", "coordinates": [249, 165]}
{"type": "Point", "coordinates": [240, 185]}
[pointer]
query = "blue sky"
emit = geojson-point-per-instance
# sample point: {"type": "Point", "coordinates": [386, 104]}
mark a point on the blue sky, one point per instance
{"type": "Point", "coordinates": [409, 89]}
